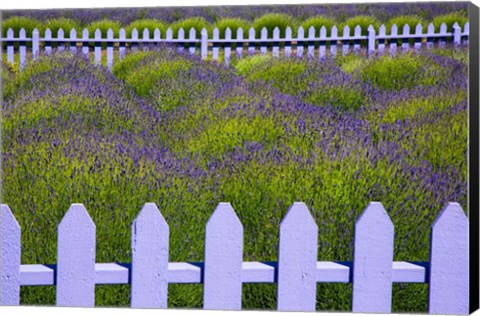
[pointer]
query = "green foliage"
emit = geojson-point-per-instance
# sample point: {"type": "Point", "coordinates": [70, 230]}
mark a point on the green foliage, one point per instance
{"type": "Point", "coordinates": [401, 71]}
{"type": "Point", "coordinates": [197, 23]}
{"type": "Point", "coordinates": [450, 19]}
{"type": "Point", "coordinates": [272, 20]}
{"type": "Point", "coordinates": [349, 62]}
{"type": "Point", "coordinates": [16, 23]}
{"type": "Point", "coordinates": [364, 21]}
{"type": "Point", "coordinates": [123, 68]}
{"type": "Point", "coordinates": [341, 97]}
{"type": "Point", "coordinates": [104, 25]}
{"type": "Point", "coordinates": [411, 20]}
{"type": "Point", "coordinates": [234, 24]}
{"type": "Point", "coordinates": [150, 24]}
{"type": "Point", "coordinates": [63, 23]}
{"type": "Point", "coordinates": [246, 66]}
{"type": "Point", "coordinates": [317, 22]}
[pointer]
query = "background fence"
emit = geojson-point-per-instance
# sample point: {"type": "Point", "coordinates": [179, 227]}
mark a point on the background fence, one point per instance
{"type": "Point", "coordinates": [297, 271]}
{"type": "Point", "coordinates": [243, 43]}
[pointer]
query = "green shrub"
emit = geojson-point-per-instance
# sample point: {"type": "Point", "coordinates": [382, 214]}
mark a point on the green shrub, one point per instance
{"type": "Point", "coordinates": [247, 65]}
{"type": "Point", "coordinates": [317, 22]}
{"type": "Point", "coordinates": [150, 24]}
{"type": "Point", "coordinates": [272, 20]}
{"type": "Point", "coordinates": [62, 23]}
{"type": "Point", "coordinates": [342, 97]}
{"type": "Point", "coordinates": [449, 20]}
{"type": "Point", "coordinates": [123, 68]}
{"type": "Point", "coordinates": [198, 23]}
{"type": "Point", "coordinates": [234, 24]}
{"type": "Point", "coordinates": [16, 23]}
{"type": "Point", "coordinates": [364, 21]}
{"type": "Point", "coordinates": [411, 20]}
{"type": "Point", "coordinates": [103, 26]}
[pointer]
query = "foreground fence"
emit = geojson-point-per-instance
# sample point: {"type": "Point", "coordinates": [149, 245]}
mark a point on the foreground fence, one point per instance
{"type": "Point", "coordinates": [243, 44]}
{"type": "Point", "coordinates": [297, 271]}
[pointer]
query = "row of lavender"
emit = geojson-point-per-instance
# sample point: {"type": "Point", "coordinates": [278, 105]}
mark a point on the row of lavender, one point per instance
{"type": "Point", "coordinates": [383, 11]}
{"type": "Point", "coordinates": [375, 42]}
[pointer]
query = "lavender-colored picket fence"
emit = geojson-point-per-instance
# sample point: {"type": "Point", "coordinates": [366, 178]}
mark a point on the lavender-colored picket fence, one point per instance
{"type": "Point", "coordinates": [245, 44]}
{"type": "Point", "coordinates": [296, 273]}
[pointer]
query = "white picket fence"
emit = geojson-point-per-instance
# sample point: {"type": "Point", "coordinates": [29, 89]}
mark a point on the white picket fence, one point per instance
{"type": "Point", "coordinates": [296, 273]}
{"type": "Point", "coordinates": [288, 45]}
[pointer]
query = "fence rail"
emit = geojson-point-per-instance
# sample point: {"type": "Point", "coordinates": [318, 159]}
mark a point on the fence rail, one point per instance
{"type": "Point", "coordinates": [296, 273]}
{"type": "Point", "coordinates": [291, 45]}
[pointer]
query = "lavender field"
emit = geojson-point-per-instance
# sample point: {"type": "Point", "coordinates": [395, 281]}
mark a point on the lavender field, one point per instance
{"type": "Point", "coordinates": [262, 133]}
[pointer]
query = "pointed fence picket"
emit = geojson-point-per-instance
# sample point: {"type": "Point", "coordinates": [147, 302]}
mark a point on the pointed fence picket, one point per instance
{"type": "Point", "coordinates": [297, 271]}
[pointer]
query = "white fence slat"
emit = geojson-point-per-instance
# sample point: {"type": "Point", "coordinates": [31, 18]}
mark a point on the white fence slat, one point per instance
{"type": "Point", "coordinates": [10, 253]}
{"type": "Point", "coordinates": [156, 36]}
{"type": "Point", "coordinates": [10, 46]}
{"type": "Point", "coordinates": [223, 260]}
{"type": "Point", "coordinates": [146, 37]}
{"type": "Point", "coordinates": [263, 44]}
{"type": "Point", "coordinates": [457, 39]}
{"type": "Point", "coordinates": [60, 36]}
{"type": "Point", "coordinates": [310, 43]}
{"type": "Point", "coordinates": [150, 245]}
{"type": "Point", "coordinates": [98, 47]}
{"type": "Point", "coordinates": [346, 43]}
{"type": "Point", "coordinates": [240, 45]}
{"type": "Point", "coordinates": [73, 45]}
{"type": "Point", "coordinates": [134, 43]}
{"type": "Point", "coordinates": [85, 48]}
{"type": "Point", "coordinates": [406, 41]}
{"type": "Point", "coordinates": [288, 43]}
{"type": "Point", "coordinates": [276, 43]}
{"type": "Point", "coordinates": [48, 42]}
{"type": "Point", "coordinates": [215, 48]}
{"type": "Point", "coordinates": [192, 36]}
{"type": "Point", "coordinates": [382, 31]}
{"type": "Point", "coordinates": [35, 43]}
{"type": "Point", "coordinates": [76, 259]}
{"type": "Point", "coordinates": [466, 30]}
{"type": "Point", "coordinates": [393, 41]}
{"type": "Point", "coordinates": [23, 48]}
{"type": "Point", "coordinates": [442, 40]}
{"type": "Point", "coordinates": [430, 31]}
{"type": "Point", "coordinates": [169, 35]}
{"type": "Point", "coordinates": [371, 41]}
{"type": "Point", "coordinates": [333, 43]}
{"type": "Point", "coordinates": [300, 36]}
{"type": "Point", "coordinates": [449, 262]}
{"type": "Point", "coordinates": [181, 36]}
{"type": "Point", "coordinates": [418, 40]}
{"type": "Point", "coordinates": [110, 49]}
{"type": "Point", "coordinates": [122, 35]}
{"type": "Point", "coordinates": [227, 48]}
{"type": "Point", "coordinates": [372, 261]}
{"type": "Point", "coordinates": [356, 42]}
{"type": "Point", "coordinates": [322, 49]}
{"type": "Point", "coordinates": [251, 43]}
{"type": "Point", "coordinates": [204, 44]}
{"type": "Point", "coordinates": [297, 260]}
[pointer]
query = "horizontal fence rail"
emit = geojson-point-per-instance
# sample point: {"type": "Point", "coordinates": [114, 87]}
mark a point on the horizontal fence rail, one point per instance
{"type": "Point", "coordinates": [244, 43]}
{"type": "Point", "coordinates": [223, 272]}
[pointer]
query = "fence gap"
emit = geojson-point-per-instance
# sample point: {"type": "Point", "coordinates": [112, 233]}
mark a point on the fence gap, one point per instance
{"type": "Point", "coordinates": [10, 254]}
{"type": "Point", "coordinates": [76, 259]}
{"type": "Point", "coordinates": [223, 260]}
{"type": "Point", "coordinates": [297, 260]}
{"type": "Point", "coordinates": [150, 246]}
{"type": "Point", "coordinates": [372, 261]}
{"type": "Point", "coordinates": [449, 262]}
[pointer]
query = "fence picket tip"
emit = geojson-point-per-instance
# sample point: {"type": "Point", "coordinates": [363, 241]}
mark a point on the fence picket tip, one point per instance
{"type": "Point", "coordinates": [374, 210]}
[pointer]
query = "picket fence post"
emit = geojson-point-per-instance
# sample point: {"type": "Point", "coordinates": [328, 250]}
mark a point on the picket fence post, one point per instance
{"type": "Point", "coordinates": [333, 44]}
{"type": "Point", "coordinates": [356, 42]}
{"type": "Point", "coordinates": [310, 43]}
{"type": "Point", "coordinates": [204, 44]}
{"type": "Point", "coordinates": [240, 44]}
{"type": "Point", "coordinates": [456, 34]}
{"type": "Point", "coordinates": [35, 43]}
{"type": "Point", "coordinates": [76, 259]}
{"type": "Point", "coordinates": [227, 46]}
{"type": "Point", "coordinates": [223, 260]}
{"type": "Point", "coordinates": [372, 261]}
{"type": "Point", "coordinates": [122, 35]}
{"type": "Point", "coordinates": [449, 262]}
{"type": "Point", "coordinates": [406, 41]}
{"type": "Point", "coordinates": [110, 49]}
{"type": "Point", "coordinates": [418, 39]}
{"type": "Point", "coordinates": [322, 44]}
{"type": "Point", "coordinates": [60, 43]}
{"type": "Point", "coordinates": [215, 48]}
{"type": "Point", "coordinates": [300, 36]}
{"type": "Point", "coordinates": [192, 35]}
{"type": "Point", "coordinates": [276, 44]}
{"type": "Point", "coordinates": [288, 43]}
{"type": "Point", "coordinates": [430, 31]}
{"type": "Point", "coordinates": [263, 44]}
{"type": "Point", "coordinates": [371, 41]}
{"type": "Point", "coordinates": [297, 260]}
{"type": "Point", "coordinates": [23, 48]}
{"type": "Point", "coordinates": [73, 45]}
{"type": "Point", "coordinates": [251, 44]}
{"type": "Point", "coordinates": [85, 48]}
{"type": "Point", "coordinates": [150, 246]}
{"type": "Point", "coordinates": [345, 42]}
{"type": "Point", "coordinates": [10, 46]}
{"type": "Point", "coordinates": [98, 47]}
{"type": "Point", "coordinates": [10, 253]}
{"type": "Point", "coordinates": [393, 41]}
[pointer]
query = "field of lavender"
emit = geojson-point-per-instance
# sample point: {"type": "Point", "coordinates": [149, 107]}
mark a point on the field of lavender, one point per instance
{"type": "Point", "coordinates": [186, 134]}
